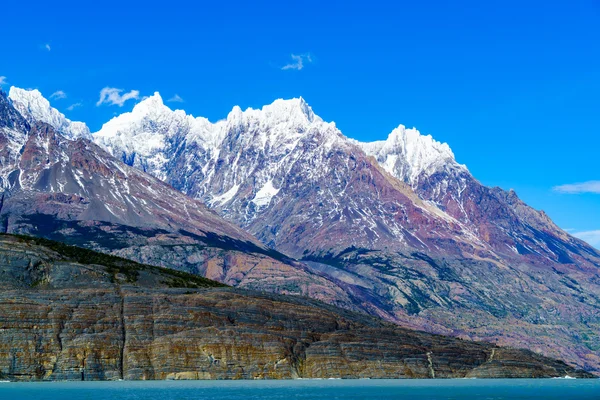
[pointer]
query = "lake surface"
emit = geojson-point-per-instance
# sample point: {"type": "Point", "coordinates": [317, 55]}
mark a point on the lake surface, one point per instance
{"type": "Point", "coordinates": [455, 389]}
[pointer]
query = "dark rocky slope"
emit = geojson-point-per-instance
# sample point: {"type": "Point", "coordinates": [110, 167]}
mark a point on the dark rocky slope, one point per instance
{"type": "Point", "coordinates": [110, 318]}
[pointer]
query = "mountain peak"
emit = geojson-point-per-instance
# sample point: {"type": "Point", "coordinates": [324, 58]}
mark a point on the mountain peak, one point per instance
{"type": "Point", "coordinates": [296, 107]}
{"type": "Point", "coordinates": [425, 143]}
{"type": "Point", "coordinates": [407, 154]}
{"type": "Point", "coordinates": [151, 104]}
{"type": "Point", "coordinates": [30, 103]}
{"type": "Point", "coordinates": [33, 106]}
{"type": "Point", "coordinates": [235, 115]}
{"type": "Point", "coordinates": [292, 114]}
{"type": "Point", "coordinates": [16, 93]}
{"type": "Point", "coordinates": [9, 116]}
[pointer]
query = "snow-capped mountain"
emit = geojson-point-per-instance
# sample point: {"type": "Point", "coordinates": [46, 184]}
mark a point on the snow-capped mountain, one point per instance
{"type": "Point", "coordinates": [250, 164]}
{"type": "Point", "coordinates": [147, 135]}
{"type": "Point", "coordinates": [75, 192]}
{"type": "Point", "coordinates": [498, 217]}
{"type": "Point", "coordinates": [35, 107]}
{"type": "Point", "coordinates": [410, 156]}
{"type": "Point", "coordinates": [243, 165]}
{"type": "Point", "coordinates": [400, 224]}
{"type": "Point", "coordinates": [13, 135]}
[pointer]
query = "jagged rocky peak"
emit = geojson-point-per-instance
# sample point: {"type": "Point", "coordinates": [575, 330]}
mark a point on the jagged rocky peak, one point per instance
{"type": "Point", "coordinates": [151, 101]}
{"type": "Point", "coordinates": [407, 154]}
{"type": "Point", "coordinates": [9, 117]}
{"type": "Point", "coordinates": [13, 135]}
{"type": "Point", "coordinates": [296, 108]}
{"type": "Point", "coordinates": [145, 136]}
{"type": "Point", "coordinates": [34, 107]}
{"type": "Point", "coordinates": [291, 113]}
{"type": "Point", "coordinates": [152, 106]}
{"type": "Point", "coordinates": [149, 116]}
{"type": "Point", "coordinates": [149, 135]}
{"type": "Point", "coordinates": [151, 109]}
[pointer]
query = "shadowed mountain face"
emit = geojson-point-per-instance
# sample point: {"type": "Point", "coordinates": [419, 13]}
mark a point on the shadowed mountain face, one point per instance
{"type": "Point", "coordinates": [408, 232]}
{"type": "Point", "coordinates": [68, 313]}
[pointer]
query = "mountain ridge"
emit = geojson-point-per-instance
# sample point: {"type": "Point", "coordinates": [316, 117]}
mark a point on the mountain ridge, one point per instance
{"type": "Point", "coordinates": [35, 107]}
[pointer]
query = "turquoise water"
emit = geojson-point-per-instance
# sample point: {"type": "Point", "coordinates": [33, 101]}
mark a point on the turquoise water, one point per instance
{"type": "Point", "coordinates": [455, 389]}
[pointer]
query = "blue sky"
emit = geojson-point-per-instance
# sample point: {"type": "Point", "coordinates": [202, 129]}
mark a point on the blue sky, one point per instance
{"type": "Point", "coordinates": [513, 88]}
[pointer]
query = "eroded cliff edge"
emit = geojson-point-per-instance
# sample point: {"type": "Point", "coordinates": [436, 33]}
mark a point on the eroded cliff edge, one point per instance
{"type": "Point", "coordinates": [68, 313]}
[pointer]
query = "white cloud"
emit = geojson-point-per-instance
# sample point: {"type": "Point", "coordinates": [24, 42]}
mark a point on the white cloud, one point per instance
{"type": "Point", "coordinates": [47, 47]}
{"type": "Point", "coordinates": [592, 237]}
{"type": "Point", "coordinates": [59, 94]}
{"type": "Point", "coordinates": [299, 61]}
{"type": "Point", "coordinates": [176, 99]}
{"type": "Point", "coordinates": [113, 96]}
{"type": "Point", "coordinates": [583, 187]}
{"type": "Point", "coordinates": [74, 106]}
{"type": "Point", "coordinates": [3, 80]}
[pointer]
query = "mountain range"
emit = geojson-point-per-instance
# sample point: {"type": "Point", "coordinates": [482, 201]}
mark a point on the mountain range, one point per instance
{"type": "Point", "coordinates": [277, 199]}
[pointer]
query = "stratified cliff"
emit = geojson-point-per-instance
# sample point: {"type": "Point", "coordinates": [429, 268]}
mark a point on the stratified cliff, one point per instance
{"type": "Point", "coordinates": [70, 313]}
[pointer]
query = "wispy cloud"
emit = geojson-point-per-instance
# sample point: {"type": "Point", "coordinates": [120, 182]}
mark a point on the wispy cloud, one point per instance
{"type": "Point", "coordinates": [47, 47]}
{"type": "Point", "coordinates": [74, 106]}
{"type": "Point", "coordinates": [176, 99]}
{"type": "Point", "coordinates": [576, 188]}
{"type": "Point", "coordinates": [3, 80]}
{"type": "Point", "coordinates": [592, 237]}
{"type": "Point", "coordinates": [113, 96]}
{"type": "Point", "coordinates": [299, 61]}
{"type": "Point", "coordinates": [59, 94]}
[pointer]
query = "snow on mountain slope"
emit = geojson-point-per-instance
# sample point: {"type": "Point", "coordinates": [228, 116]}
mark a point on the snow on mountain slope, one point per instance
{"type": "Point", "coordinates": [13, 135]}
{"type": "Point", "coordinates": [145, 136]}
{"type": "Point", "coordinates": [153, 137]}
{"type": "Point", "coordinates": [34, 107]}
{"type": "Point", "coordinates": [185, 151]}
{"type": "Point", "coordinates": [249, 165]}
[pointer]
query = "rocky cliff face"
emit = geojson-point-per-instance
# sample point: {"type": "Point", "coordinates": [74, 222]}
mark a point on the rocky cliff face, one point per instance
{"type": "Point", "coordinates": [110, 318]}
{"type": "Point", "coordinates": [407, 231]}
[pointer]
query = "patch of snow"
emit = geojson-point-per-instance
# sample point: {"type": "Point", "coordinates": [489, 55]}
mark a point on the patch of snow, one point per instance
{"type": "Point", "coordinates": [265, 194]}
{"type": "Point", "coordinates": [225, 197]}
